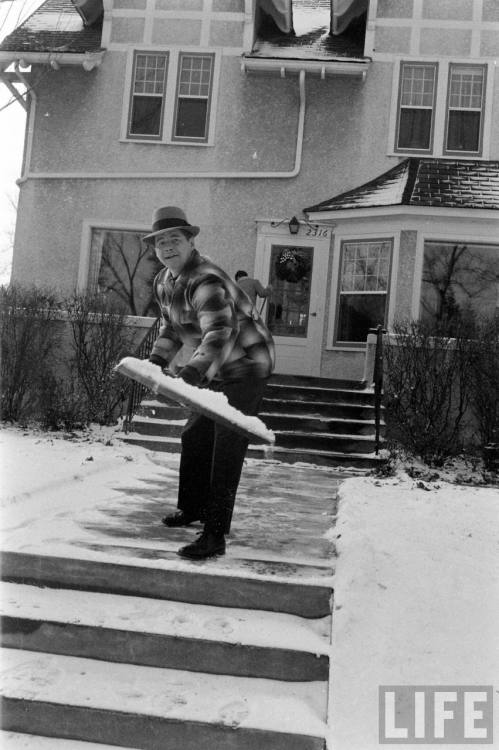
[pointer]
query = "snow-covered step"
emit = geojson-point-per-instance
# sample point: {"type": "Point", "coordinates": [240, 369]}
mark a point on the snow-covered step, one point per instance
{"type": "Point", "coordinates": [159, 633]}
{"type": "Point", "coordinates": [158, 709]}
{"type": "Point", "coordinates": [22, 741]}
{"type": "Point", "coordinates": [194, 583]}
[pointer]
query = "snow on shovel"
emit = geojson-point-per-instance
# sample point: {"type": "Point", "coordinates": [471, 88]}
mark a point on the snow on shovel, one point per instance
{"type": "Point", "coordinates": [210, 403]}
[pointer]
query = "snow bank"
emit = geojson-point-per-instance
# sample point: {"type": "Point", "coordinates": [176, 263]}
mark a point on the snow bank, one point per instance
{"type": "Point", "coordinates": [416, 595]}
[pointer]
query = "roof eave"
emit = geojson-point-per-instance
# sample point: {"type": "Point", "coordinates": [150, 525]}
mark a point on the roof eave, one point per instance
{"type": "Point", "coordinates": [399, 210]}
{"type": "Point", "coordinates": [295, 65]}
{"type": "Point", "coordinates": [88, 60]}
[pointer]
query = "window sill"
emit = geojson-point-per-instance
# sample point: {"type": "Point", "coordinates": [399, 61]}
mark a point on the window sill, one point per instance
{"type": "Point", "coordinates": [146, 142]}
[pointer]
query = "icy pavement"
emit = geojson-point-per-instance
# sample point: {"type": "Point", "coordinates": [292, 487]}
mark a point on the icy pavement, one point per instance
{"type": "Point", "coordinates": [91, 500]}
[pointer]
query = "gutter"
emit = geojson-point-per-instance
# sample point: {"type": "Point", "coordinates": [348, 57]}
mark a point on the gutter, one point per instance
{"type": "Point", "coordinates": [191, 175]}
{"type": "Point", "coordinates": [88, 60]}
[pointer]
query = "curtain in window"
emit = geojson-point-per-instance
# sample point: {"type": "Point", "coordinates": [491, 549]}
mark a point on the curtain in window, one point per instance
{"type": "Point", "coordinates": [281, 11]}
{"type": "Point", "coordinates": [345, 11]}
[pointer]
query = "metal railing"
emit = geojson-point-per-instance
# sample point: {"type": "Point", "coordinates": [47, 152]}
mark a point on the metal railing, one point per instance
{"type": "Point", "coordinates": [137, 390]}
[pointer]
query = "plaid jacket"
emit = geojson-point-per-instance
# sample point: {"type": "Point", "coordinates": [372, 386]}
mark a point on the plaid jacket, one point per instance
{"type": "Point", "coordinates": [205, 309]}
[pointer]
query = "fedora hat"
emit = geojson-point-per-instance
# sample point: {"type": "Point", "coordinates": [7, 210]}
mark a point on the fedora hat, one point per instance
{"type": "Point", "coordinates": [167, 218]}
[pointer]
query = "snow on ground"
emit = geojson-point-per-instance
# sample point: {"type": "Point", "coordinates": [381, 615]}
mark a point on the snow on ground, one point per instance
{"type": "Point", "coordinates": [416, 595]}
{"type": "Point", "coordinates": [416, 578]}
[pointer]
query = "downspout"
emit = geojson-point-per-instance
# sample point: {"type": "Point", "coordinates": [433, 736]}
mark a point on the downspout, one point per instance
{"type": "Point", "coordinates": [190, 175]}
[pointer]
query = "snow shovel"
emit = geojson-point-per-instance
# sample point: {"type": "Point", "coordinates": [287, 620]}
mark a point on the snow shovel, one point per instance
{"type": "Point", "coordinates": [201, 400]}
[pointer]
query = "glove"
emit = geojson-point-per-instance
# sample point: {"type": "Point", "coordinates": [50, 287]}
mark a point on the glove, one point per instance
{"type": "Point", "coordinates": [155, 359]}
{"type": "Point", "coordinates": [190, 375]}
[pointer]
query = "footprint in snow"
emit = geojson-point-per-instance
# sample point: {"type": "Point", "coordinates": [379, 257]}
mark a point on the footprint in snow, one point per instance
{"type": "Point", "coordinates": [233, 713]}
{"type": "Point", "coordinates": [219, 624]}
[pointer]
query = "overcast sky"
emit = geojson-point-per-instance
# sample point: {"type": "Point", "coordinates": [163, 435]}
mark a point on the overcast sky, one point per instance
{"type": "Point", "coordinates": [12, 126]}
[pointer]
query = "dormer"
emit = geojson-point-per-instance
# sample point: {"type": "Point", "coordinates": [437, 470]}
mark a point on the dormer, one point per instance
{"type": "Point", "coordinates": [320, 36]}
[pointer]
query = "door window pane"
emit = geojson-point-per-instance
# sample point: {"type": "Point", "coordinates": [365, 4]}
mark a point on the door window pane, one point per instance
{"type": "Point", "coordinates": [290, 275]}
{"type": "Point", "coordinates": [364, 282]}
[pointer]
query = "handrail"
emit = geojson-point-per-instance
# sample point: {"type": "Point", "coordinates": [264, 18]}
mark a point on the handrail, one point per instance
{"type": "Point", "coordinates": [378, 382]}
{"type": "Point", "coordinates": [137, 390]}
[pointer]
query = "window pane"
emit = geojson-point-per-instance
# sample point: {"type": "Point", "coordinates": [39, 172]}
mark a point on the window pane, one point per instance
{"type": "Point", "coordinates": [191, 118]}
{"type": "Point", "coordinates": [123, 269]}
{"type": "Point", "coordinates": [358, 313]}
{"type": "Point", "coordinates": [415, 129]}
{"type": "Point", "coordinates": [146, 116]}
{"type": "Point", "coordinates": [463, 133]}
{"type": "Point", "coordinates": [417, 86]}
{"type": "Point", "coordinates": [459, 278]}
{"type": "Point", "coordinates": [466, 87]}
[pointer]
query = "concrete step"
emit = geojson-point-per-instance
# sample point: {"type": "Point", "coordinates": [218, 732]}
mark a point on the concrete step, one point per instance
{"type": "Point", "coordinates": [157, 709]}
{"type": "Point", "coordinates": [315, 394]}
{"type": "Point", "coordinates": [338, 409]}
{"type": "Point", "coordinates": [175, 635]}
{"type": "Point", "coordinates": [21, 741]}
{"type": "Point", "coordinates": [182, 581]}
{"type": "Point", "coordinates": [331, 441]}
{"type": "Point", "coordinates": [351, 461]}
{"type": "Point", "coordinates": [310, 423]}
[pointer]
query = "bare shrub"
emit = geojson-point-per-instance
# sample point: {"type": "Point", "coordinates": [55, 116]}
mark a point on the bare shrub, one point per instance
{"type": "Point", "coordinates": [29, 339]}
{"type": "Point", "coordinates": [63, 403]}
{"type": "Point", "coordinates": [429, 388]}
{"type": "Point", "coordinates": [99, 339]}
{"type": "Point", "coordinates": [485, 391]}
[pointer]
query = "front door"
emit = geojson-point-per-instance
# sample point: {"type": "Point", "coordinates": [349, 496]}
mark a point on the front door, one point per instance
{"type": "Point", "coordinates": [296, 267]}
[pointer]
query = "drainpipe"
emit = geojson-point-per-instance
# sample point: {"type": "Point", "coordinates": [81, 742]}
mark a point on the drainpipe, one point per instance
{"type": "Point", "coordinates": [195, 175]}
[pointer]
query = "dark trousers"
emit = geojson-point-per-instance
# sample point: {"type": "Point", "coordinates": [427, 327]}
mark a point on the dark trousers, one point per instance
{"type": "Point", "coordinates": [212, 459]}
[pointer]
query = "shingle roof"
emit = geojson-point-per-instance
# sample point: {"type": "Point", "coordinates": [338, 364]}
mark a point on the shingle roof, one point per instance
{"type": "Point", "coordinates": [424, 182]}
{"type": "Point", "coordinates": [56, 26]}
{"type": "Point", "coordinates": [311, 39]}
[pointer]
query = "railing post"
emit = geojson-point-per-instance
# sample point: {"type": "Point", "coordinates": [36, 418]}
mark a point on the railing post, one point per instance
{"type": "Point", "coordinates": [377, 380]}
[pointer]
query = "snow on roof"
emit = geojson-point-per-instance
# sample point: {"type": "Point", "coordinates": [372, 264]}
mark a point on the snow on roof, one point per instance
{"type": "Point", "coordinates": [56, 26]}
{"type": "Point", "coordinates": [424, 182]}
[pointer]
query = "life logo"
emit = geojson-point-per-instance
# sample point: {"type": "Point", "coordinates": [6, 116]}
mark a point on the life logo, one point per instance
{"type": "Point", "coordinates": [435, 714]}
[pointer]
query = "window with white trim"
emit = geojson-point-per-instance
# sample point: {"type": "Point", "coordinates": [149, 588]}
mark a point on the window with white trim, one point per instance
{"type": "Point", "coordinates": [172, 97]}
{"type": "Point", "coordinates": [416, 107]}
{"type": "Point", "coordinates": [193, 96]}
{"type": "Point", "coordinates": [148, 96]}
{"type": "Point", "coordinates": [363, 288]}
{"type": "Point", "coordinates": [440, 109]}
{"type": "Point", "coordinates": [465, 103]}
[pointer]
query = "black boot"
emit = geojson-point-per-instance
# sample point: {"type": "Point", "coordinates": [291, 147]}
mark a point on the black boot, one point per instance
{"type": "Point", "coordinates": [179, 518]}
{"type": "Point", "coordinates": [207, 545]}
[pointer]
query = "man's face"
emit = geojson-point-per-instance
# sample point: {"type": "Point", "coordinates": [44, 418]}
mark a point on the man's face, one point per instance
{"type": "Point", "coordinates": [173, 250]}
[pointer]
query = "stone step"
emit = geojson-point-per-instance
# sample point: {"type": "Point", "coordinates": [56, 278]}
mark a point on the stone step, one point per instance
{"type": "Point", "coordinates": [175, 635]}
{"type": "Point", "coordinates": [158, 709]}
{"type": "Point", "coordinates": [182, 581]}
{"type": "Point", "coordinates": [316, 382]}
{"type": "Point", "coordinates": [348, 461]}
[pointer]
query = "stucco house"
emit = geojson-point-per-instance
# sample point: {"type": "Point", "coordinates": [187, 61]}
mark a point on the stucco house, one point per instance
{"type": "Point", "coordinates": [345, 151]}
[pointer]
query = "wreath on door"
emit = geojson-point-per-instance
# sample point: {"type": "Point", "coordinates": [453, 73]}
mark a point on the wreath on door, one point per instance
{"type": "Point", "coordinates": [291, 266]}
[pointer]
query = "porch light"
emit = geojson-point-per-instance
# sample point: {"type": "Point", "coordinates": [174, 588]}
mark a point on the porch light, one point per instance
{"type": "Point", "coordinates": [294, 225]}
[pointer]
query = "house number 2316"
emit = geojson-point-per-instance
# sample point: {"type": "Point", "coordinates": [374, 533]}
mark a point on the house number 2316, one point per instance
{"type": "Point", "coordinates": [316, 231]}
